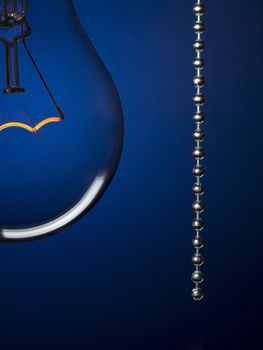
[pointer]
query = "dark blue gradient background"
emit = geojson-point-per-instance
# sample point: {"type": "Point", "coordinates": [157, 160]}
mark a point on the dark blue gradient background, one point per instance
{"type": "Point", "coordinates": [120, 278]}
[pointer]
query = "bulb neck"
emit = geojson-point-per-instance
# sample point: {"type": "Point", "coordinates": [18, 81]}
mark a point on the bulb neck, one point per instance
{"type": "Point", "coordinates": [13, 28]}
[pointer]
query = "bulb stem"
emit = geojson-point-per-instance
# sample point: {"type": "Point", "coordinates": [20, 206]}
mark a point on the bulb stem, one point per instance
{"type": "Point", "coordinates": [12, 69]}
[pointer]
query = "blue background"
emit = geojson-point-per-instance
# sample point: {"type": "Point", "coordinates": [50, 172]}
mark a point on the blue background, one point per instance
{"type": "Point", "coordinates": [120, 277]}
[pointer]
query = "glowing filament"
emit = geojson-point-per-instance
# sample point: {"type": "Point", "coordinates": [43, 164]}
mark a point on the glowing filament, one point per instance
{"type": "Point", "coordinates": [28, 127]}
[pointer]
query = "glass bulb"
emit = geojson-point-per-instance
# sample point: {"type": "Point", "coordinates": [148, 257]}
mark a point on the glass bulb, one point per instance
{"type": "Point", "coordinates": [61, 121]}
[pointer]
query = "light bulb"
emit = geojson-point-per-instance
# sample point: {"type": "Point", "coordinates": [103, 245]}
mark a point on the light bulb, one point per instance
{"type": "Point", "coordinates": [61, 121]}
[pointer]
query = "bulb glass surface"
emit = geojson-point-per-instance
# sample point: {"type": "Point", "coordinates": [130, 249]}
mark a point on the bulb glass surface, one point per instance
{"type": "Point", "coordinates": [57, 159]}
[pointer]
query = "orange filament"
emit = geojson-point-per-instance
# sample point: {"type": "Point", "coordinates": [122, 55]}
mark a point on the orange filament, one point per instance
{"type": "Point", "coordinates": [28, 127]}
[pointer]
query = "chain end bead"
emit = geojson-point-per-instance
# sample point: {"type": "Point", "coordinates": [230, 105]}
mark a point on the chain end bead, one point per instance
{"type": "Point", "coordinates": [197, 293]}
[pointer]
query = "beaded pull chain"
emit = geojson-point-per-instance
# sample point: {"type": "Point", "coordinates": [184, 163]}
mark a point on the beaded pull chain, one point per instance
{"type": "Point", "coordinates": [198, 152]}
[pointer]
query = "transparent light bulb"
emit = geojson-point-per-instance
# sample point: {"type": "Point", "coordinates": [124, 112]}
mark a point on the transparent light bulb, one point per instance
{"type": "Point", "coordinates": [61, 122]}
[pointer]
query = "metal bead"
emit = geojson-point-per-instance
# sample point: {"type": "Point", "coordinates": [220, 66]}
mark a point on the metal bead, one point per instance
{"type": "Point", "coordinates": [199, 9]}
{"type": "Point", "coordinates": [198, 242]}
{"type": "Point", "coordinates": [198, 225]}
{"type": "Point", "coordinates": [199, 45]}
{"type": "Point", "coordinates": [198, 206]}
{"type": "Point", "coordinates": [199, 63]}
{"type": "Point", "coordinates": [198, 171]}
{"type": "Point", "coordinates": [199, 27]}
{"type": "Point", "coordinates": [198, 135]}
{"type": "Point", "coordinates": [198, 188]}
{"type": "Point", "coordinates": [199, 81]}
{"type": "Point", "coordinates": [197, 293]}
{"type": "Point", "coordinates": [199, 99]}
{"type": "Point", "coordinates": [197, 276]}
{"type": "Point", "coordinates": [198, 117]}
{"type": "Point", "coordinates": [198, 152]}
{"type": "Point", "coordinates": [197, 259]}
